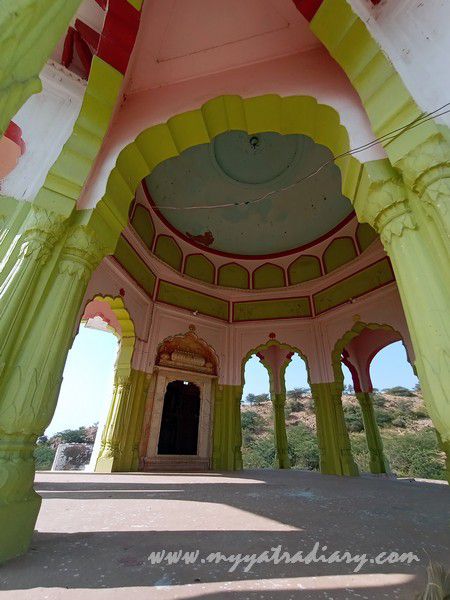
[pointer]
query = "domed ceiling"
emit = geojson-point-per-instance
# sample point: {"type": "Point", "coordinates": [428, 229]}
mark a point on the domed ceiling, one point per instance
{"type": "Point", "coordinates": [264, 170]}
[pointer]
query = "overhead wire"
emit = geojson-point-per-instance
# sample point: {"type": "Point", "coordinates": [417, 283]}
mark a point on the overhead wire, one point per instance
{"type": "Point", "coordinates": [387, 137]}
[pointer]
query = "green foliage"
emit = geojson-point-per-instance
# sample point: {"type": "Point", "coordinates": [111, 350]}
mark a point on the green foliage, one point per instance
{"type": "Point", "coordinates": [303, 447]}
{"type": "Point", "coordinates": [384, 417]}
{"type": "Point", "coordinates": [259, 453]}
{"type": "Point", "coordinates": [261, 398]}
{"type": "Point", "coordinates": [292, 406]}
{"type": "Point", "coordinates": [297, 393]}
{"type": "Point", "coordinates": [360, 451]}
{"type": "Point", "coordinates": [353, 418]}
{"type": "Point", "coordinates": [250, 398]}
{"type": "Point", "coordinates": [73, 436]}
{"type": "Point", "coordinates": [43, 456]}
{"type": "Point", "coordinates": [400, 422]}
{"type": "Point", "coordinates": [378, 399]}
{"type": "Point", "coordinates": [415, 454]}
{"type": "Point", "coordinates": [252, 422]}
{"type": "Point", "coordinates": [421, 413]}
{"type": "Point", "coordinates": [399, 390]}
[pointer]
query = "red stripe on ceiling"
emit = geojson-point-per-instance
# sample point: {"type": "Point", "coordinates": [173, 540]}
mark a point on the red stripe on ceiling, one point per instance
{"type": "Point", "coordinates": [119, 34]}
{"type": "Point", "coordinates": [83, 51]}
{"type": "Point", "coordinates": [308, 8]}
{"type": "Point", "coordinates": [14, 133]}
{"type": "Point", "coordinates": [67, 54]}
{"type": "Point", "coordinates": [89, 35]}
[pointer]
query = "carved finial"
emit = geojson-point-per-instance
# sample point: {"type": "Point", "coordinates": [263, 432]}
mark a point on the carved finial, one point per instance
{"type": "Point", "coordinates": [272, 336]}
{"type": "Point", "coordinates": [192, 328]}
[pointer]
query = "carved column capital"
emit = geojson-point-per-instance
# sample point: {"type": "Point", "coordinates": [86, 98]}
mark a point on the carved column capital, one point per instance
{"type": "Point", "coordinates": [81, 254]}
{"type": "Point", "coordinates": [386, 208]}
{"type": "Point", "coordinates": [426, 163]}
{"type": "Point", "coordinates": [41, 231]}
{"type": "Point", "coordinates": [426, 171]}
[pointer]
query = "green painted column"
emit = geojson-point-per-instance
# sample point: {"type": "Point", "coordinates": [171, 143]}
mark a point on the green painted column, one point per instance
{"type": "Point", "coordinates": [32, 372]}
{"type": "Point", "coordinates": [140, 385]}
{"type": "Point", "coordinates": [227, 433]}
{"type": "Point", "coordinates": [23, 267]}
{"type": "Point", "coordinates": [334, 443]}
{"type": "Point", "coordinates": [121, 435]}
{"type": "Point", "coordinates": [423, 282]}
{"type": "Point", "coordinates": [33, 28]}
{"type": "Point", "coordinates": [279, 402]}
{"type": "Point", "coordinates": [378, 461]}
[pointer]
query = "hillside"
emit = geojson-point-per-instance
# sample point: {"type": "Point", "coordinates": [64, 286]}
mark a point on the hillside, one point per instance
{"type": "Point", "coordinates": [409, 439]}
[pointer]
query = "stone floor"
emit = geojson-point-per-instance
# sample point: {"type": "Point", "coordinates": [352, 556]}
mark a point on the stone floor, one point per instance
{"type": "Point", "coordinates": [96, 532]}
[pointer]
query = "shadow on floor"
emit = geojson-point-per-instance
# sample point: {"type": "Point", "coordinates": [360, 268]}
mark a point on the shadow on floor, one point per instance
{"type": "Point", "coordinates": [98, 532]}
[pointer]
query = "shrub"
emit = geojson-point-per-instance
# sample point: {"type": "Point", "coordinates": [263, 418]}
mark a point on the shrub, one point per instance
{"type": "Point", "coordinates": [399, 390]}
{"type": "Point", "coordinates": [297, 393]}
{"type": "Point", "coordinates": [400, 422]}
{"type": "Point", "coordinates": [378, 399]}
{"type": "Point", "coordinates": [252, 422]}
{"type": "Point", "coordinates": [309, 404]}
{"type": "Point", "coordinates": [421, 413]}
{"type": "Point", "coordinates": [353, 418]}
{"type": "Point", "coordinates": [384, 417]}
{"type": "Point", "coordinates": [293, 405]}
{"type": "Point", "coordinates": [303, 448]}
{"type": "Point", "coordinates": [360, 451]}
{"type": "Point", "coordinates": [260, 453]}
{"type": "Point", "coordinates": [415, 454]}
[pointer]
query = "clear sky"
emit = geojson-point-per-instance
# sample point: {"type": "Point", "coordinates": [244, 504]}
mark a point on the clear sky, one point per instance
{"type": "Point", "coordinates": [88, 377]}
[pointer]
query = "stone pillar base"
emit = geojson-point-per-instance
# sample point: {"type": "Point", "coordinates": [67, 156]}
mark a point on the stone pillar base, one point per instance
{"type": "Point", "coordinates": [17, 521]}
{"type": "Point", "coordinates": [105, 464]}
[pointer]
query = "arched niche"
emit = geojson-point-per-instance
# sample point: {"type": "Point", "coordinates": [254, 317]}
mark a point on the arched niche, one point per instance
{"type": "Point", "coordinates": [188, 359]}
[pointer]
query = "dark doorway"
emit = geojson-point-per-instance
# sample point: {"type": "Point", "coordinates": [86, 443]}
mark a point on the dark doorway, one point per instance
{"type": "Point", "coordinates": [179, 423]}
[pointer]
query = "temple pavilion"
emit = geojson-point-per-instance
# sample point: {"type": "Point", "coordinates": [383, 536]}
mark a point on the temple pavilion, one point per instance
{"type": "Point", "coordinates": [215, 180]}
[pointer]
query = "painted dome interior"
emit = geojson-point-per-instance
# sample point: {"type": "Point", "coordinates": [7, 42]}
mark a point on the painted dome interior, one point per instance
{"type": "Point", "coordinates": [237, 167]}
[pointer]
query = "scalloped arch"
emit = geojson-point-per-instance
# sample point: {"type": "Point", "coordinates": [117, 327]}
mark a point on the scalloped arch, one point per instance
{"type": "Point", "coordinates": [284, 115]}
{"type": "Point", "coordinates": [349, 336]}
{"type": "Point", "coordinates": [115, 313]}
{"type": "Point", "coordinates": [267, 345]}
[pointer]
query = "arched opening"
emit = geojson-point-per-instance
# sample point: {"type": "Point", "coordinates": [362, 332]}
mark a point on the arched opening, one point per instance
{"type": "Point", "coordinates": [409, 438]}
{"type": "Point", "coordinates": [83, 400]}
{"type": "Point", "coordinates": [388, 425]}
{"type": "Point", "coordinates": [300, 416]}
{"type": "Point", "coordinates": [91, 397]}
{"type": "Point", "coordinates": [180, 419]}
{"type": "Point", "coordinates": [258, 443]}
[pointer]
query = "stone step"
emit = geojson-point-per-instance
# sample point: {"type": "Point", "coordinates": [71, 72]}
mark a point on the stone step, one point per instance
{"type": "Point", "coordinates": [174, 464]}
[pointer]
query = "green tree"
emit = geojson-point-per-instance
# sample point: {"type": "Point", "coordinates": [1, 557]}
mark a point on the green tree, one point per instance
{"type": "Point", "coordinates": [261, 398]}
{"type": "Point", "coordinates": [250, 399]}
{"type": "Point", "coordinates": [43, 456]}
{"type": "Point", "coordinates": [399, 390]}
{"type": "Point", "coordinates": [72, 436]}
